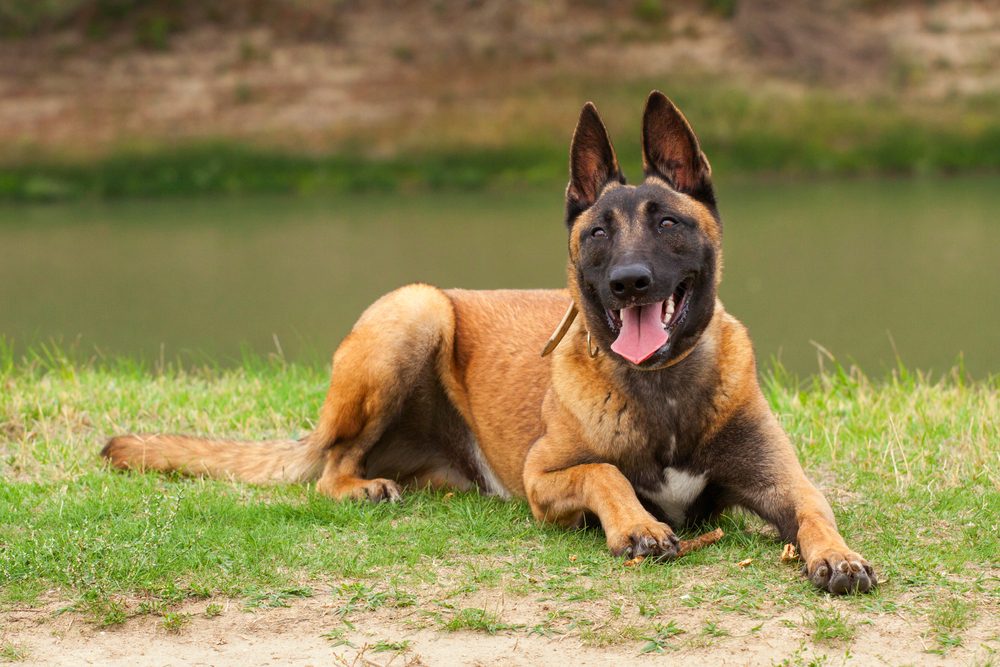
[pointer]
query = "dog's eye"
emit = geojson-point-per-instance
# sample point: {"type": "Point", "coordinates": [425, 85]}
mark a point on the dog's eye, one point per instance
{"type": "Point", "coordinates": [598, 233]}
{"type": "Point", "coordinates": [668, 222]}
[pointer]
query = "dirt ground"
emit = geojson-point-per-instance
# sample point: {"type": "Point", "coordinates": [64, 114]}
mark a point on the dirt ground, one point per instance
{"type": "Point", "coordinates": [387, 70]}
{"type": "Point", "coordinates": [295, 635]}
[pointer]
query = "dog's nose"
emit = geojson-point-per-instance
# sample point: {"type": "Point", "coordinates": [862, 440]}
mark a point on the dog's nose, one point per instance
{"type": "Point", "coordinates": [630, 280]}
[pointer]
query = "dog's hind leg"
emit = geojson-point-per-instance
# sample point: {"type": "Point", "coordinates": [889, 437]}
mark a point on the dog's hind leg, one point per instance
{"type": "Point", "coordinates": [390, 353]}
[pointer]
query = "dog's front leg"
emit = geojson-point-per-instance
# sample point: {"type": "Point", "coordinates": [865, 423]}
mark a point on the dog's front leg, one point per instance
{"type": "Point", "coordinates": [560, 492]}
{"type": "Point", "coordinates": [830, 563]}
{"type": "Point", "coordinates": [770, 482]}
{"type": "Point", "coordinates": [800, 512]}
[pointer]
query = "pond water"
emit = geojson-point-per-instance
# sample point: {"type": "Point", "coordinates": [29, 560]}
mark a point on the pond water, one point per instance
{"type": "Point", "coordinates": [870, 270]}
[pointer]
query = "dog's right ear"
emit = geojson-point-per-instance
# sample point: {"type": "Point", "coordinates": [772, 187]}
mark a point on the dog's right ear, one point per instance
{"type": "Point", "coordinates": [592, 163]}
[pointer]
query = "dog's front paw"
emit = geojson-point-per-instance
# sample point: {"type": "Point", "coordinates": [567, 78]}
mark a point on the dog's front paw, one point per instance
{"type": "Point", "coordinates": [652, 539]}
{"type": "Point", "coordinates": [353, 488]}
{"type": "Point", "coordinates": [840, 572]}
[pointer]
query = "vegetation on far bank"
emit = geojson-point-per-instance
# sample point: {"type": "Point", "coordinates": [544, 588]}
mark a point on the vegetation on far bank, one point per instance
{"type": "Point", "coordinates": [150, 98]}
{"type": "Point", "coordinates": [744, 134]}
{"type": "Point", "coordinates": [909, 463]}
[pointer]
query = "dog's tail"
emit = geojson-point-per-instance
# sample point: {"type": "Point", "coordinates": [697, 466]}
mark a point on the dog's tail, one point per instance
{"type": "Point", "coordinates": [269, 461]}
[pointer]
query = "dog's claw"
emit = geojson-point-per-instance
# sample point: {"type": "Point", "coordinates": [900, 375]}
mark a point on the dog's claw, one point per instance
{"type": "Point", "coordinates": [379, 490]}
{"type": "Point", "coordinates": [840, 573]}
{"type": "Point", "coordinates": [653, 540]}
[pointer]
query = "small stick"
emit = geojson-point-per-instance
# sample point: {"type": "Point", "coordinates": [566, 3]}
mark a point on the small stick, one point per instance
{"type": "Point", "coordinates": [700, 542]}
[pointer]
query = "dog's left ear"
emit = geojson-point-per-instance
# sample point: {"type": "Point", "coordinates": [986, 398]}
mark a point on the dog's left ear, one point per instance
{"type": "Point", "coordinates": [670, 150]}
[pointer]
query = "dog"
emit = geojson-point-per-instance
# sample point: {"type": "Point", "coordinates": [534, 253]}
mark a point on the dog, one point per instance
{"type": "Point", "coordinates": [644, 411]}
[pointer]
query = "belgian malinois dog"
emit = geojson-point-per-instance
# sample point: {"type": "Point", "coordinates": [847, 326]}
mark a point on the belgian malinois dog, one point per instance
{"type": "Point", "coordinates": [647, 414]}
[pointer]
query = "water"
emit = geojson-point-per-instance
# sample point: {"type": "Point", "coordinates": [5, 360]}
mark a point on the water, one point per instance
{"type": "Point", "coordinates": [871, 271]}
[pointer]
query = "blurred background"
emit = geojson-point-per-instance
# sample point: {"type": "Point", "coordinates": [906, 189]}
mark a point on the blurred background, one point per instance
{"type": "Point", "coordinates": [193, 181]}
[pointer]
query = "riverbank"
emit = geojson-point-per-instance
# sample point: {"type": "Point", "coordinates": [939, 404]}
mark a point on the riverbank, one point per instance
{"type": "Point", "coordinates": [164, 98]}
{"type": "Point", "coordinates": [744, 136]}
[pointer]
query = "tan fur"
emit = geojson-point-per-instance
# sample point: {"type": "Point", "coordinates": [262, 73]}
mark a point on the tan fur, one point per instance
{"type": "Point", "coordinates": [278, 460]}
{"type": "Point", "coordinates": [373, 367]}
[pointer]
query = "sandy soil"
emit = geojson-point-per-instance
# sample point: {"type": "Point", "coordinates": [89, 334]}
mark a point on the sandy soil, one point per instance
{"type": "Point", "coordinates": [385, 71]}
{"type": "Point", "coordinates": [294, 635]}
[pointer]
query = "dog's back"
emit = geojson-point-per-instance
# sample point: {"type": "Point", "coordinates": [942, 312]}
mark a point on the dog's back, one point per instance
{"type": "Point", "coordinates": [452, 368]}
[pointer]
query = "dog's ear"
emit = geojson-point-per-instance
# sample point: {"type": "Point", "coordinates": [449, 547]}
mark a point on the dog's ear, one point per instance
{"type": "Point", "coordinates": [592, 163]}
{"type": "Point", "coordinates": [670, 150]}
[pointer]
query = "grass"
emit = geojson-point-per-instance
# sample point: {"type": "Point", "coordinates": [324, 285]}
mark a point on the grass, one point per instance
{"type": "Point", "coordinates": [175, 621]}
{"type": "Point", "coordinates": [385, 645]}
{"type": "Point", "coordinates": [232, 169]}
{"type": "Point", "coordinates": [830, 627]}
{"type": "Point", "coordinates": [478, 620]}
{"type": "Point", "coordinates": [659, 640]}
{"type": "Point", "coordinates": [10, 652]}
{"type": "Point", "coordinates": [278, 598]}
{"type": "Point", "coordinates": [948, 619]}
{"type": "Point", "coordinates": [910, 464]}
{"type": "Point", "coordinates": [712, 629]}
{"type": "Point", "coordinates": [106, 611]}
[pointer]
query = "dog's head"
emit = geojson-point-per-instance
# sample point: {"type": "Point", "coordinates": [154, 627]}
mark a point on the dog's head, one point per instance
{"type": "Point", "coordinates": [645, 260]}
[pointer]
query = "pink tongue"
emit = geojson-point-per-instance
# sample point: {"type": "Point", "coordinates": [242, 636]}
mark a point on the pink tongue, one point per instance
{"type": "Point", "coordinates": [642, 332]}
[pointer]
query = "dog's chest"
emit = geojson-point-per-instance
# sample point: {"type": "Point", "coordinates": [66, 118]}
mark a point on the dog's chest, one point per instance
{"type": "Point", "coordinates": [675, 493]}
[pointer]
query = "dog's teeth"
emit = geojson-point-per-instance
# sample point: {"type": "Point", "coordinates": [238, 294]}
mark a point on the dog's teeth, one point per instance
{"type": "Point", "coordinates": [669, 310]}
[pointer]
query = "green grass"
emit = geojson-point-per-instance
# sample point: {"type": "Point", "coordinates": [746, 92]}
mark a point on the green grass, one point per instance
{"type": "Point", "coordinates": [949, 617]}
{"type": "Point", "coordinates": [660, 639]}
{"type": "Point", "coordinates": [830, 627]}
{"type": "Point", "coordinates": [478, 620]}
{"type": "Point", "coordinates": [386, 645]}
{"type": "Point", "coordinates": [278, 598]}
{"type": "Point", "coordinates": [10, 652]}
{"type": "Point", "coordinates": [910, 465]}
{"type": "Point", "coordinates": [712, 629]}
{"type": "Point", "coordinates": [232, 169]}
{"type": "Point", "coordinates": [175, 621]}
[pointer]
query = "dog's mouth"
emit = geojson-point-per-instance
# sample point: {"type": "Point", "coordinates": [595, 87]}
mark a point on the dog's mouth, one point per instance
{"type": "Point", "coordinates": [640, 331]}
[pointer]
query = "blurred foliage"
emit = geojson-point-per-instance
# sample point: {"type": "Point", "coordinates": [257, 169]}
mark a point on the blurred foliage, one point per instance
{"type": "Point", "coordinates": [743, 127]}
{"type": "Point", "coordinates": [815, 134]}
{"type": "Point", "coordinates": [724, 8]}
{"type": "Point", "coordinates": [152, 21]}
{"type": "Point", "coordinates": [650, 11]}
{"type": "Point", "coordinates": [225, 168]}
{"type": "Point", "coordinates": [231, 169]}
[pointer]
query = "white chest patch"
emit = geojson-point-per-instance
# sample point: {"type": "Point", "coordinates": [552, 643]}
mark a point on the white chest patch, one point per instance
{"type": "Point", "coordinates": [492, 483]}
{"type": "Point", "coordinates": [676, 493]}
